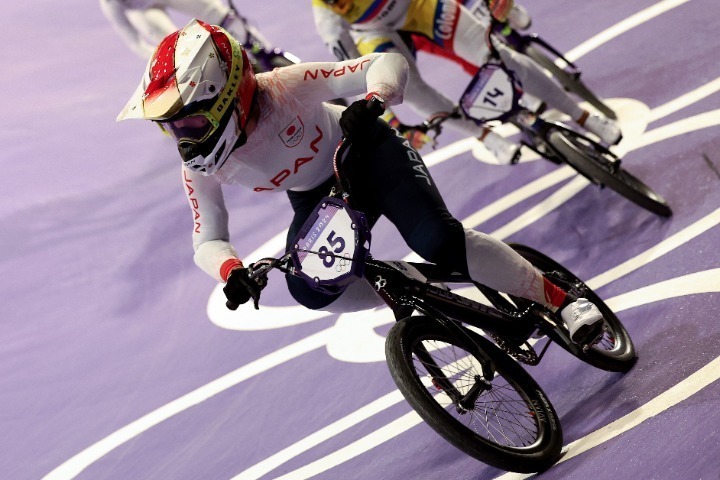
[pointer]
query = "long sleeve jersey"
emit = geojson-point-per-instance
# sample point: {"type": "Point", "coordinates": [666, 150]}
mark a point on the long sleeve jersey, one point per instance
{"type": "Point", "coordinates": [292, 145]}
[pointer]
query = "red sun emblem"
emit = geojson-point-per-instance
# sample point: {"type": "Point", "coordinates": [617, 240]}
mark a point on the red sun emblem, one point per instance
{"type": "Point", "coordinates": [293, 133]}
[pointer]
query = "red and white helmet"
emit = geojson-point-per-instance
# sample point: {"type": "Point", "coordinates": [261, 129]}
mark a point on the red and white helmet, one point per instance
{"type": "Point", "coordinates": [200, 87]}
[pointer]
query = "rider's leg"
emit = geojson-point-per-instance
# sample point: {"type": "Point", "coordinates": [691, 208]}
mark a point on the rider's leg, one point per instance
{"type": "Point", "coordinates": [426, 100]}
{"type": "Point", "coordinates": [536, 82]}
{"type": "Point", "coordinates": [397, 183]}
{"type": "Point", "coordinates": [152, 25]}
{"type": "Point", "coordinates": [467, 44]}
{"type": "Point", "coordinates": [466, 40]}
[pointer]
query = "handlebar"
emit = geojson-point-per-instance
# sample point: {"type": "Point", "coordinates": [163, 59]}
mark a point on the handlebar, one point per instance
{"type": "Point", "coordinates": [259, 271]}
{"type": "Point", "coordinates": [433, 123]}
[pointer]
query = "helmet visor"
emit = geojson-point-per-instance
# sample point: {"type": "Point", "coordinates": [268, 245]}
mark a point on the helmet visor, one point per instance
{"type": "Point", "coordinates": [194, 128]}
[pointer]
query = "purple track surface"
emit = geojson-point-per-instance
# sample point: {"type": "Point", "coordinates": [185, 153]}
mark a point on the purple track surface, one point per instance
{"type": "Point", "coordinates": [118, 360]}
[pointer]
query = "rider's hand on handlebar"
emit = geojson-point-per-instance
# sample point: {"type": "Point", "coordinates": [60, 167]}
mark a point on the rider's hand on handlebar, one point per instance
{"type": "Point", "coordinates": [240, 288]}
{"type": "Point", "coordinates": [416, 136]}
{"type": "Point", "coordinates": [358, 121]}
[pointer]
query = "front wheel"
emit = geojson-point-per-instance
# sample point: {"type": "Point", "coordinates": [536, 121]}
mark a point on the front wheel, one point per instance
{"type": "Point", "coordinates": [615, 351]}
{"type": "Point", "coordinates": [600, 166]}
{"type": "Point", "coordinates": [505, 421]}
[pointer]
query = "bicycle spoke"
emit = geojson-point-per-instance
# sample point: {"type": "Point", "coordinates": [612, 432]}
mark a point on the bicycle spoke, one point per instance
{"type": "Point", "coordinates": [499, 414]}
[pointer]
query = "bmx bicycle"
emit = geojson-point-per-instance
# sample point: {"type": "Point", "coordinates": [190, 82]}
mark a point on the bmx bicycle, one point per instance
{"type": "Point", "coordinates": [563, 70]}
{"type": "Point", "coordinates": [494, 94]}
{"type": "Point", "coordinates": [471, 390]}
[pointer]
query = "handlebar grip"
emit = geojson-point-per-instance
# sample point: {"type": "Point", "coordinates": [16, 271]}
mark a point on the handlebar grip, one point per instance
{"type": "Point", "coordinates": [375, 105]}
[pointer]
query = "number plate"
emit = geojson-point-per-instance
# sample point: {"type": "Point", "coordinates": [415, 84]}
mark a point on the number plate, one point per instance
{"type": "Point", "coordinates": [492, 94]}
{"type": "Point", "coordinates": [331, 247]}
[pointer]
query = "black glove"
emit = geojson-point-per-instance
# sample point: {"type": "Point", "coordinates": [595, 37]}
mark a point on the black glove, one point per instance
{"type": "Point", "coordinates": [240, 288]}
{"type": "Point", "coordinates": [358, 121]}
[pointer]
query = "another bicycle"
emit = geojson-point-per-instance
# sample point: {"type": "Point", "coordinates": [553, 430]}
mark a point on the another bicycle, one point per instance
{"type": "Point", "coordinates": [262, 58]}
{"type": "Point", "coordinates": [563, 70]}
{"type": "Point", "coordinates": [555, 63]}
{"type": "Point", "coordinates": [468, 389]}
{"type": "Point", "coordinates": [494, 94]}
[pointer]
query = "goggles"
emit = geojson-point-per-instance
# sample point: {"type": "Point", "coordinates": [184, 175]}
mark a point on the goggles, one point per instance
{"type": "Point", "coordinates": [194, 128]}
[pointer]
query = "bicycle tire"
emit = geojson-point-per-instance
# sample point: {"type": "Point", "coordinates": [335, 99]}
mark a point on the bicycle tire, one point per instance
{"type": "Point", "coordinates": [498, 443]}
{"type": "Point", "coordinates": [570, 82]}
{"type": "Point", "coordinates": [596, 162]}
{"type": "Point", "coordinates": [615, 352]}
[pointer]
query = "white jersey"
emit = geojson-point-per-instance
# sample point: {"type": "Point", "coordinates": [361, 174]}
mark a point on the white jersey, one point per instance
{"type": "Point", "coordinates": [292, 146]}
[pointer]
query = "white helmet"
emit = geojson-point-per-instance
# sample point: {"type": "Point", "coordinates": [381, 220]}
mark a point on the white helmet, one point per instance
{"type": "Point", "coordinates": [200, 87]}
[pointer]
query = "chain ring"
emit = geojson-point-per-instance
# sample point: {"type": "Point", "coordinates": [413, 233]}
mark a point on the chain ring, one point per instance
{"type": "Point", "coordinates": [526, 355]}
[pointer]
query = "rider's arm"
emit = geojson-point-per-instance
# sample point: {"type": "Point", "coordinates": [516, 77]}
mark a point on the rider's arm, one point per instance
{"type": "Point", "coordinates": [213, 252]}
{"type": "Point", "coordinates": [335, 32]}
{"type": "Point", "coordinates": [116, 13]}
{"type": "Point", "coordinates": [382, 73]}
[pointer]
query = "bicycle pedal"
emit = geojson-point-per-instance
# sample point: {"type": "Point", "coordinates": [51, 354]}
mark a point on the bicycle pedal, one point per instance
{"type": "Point", "coordinates": [596, 339]}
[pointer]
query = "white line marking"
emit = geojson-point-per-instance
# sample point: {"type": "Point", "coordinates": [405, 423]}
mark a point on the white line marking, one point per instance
{"type": "Point", "coordinates": [622, 27]}
{"type": "Point", "coordinates": [542, 208]}
{"type": "Point", "coordinates": [690, 386]}
{"type": "Point", "coordinates": [526, 191]}
{"type": "Point", "coordinates": [662, 248]}
{"type": "Point", "coordinates": [73, 466]}
{"type": "Point", "coordinates": [685, 100]}
{"type": "Point", "coordinates": [691, 284]}
{"type": "Point", "coordinates": [326, 433]}
{"type": "Point", "coordinates": [675, 129]}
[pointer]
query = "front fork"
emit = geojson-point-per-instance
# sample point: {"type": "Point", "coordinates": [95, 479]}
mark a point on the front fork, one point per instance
{"type": "Point", "coordinates": [481, 382]}
{"type": "Point", "coordinates": [403, 303]}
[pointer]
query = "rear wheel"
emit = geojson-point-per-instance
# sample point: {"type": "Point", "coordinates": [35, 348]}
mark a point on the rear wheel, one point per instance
{"type": "Point", "coordinates": [601, 166]}
{"type": "Point", "coordinates": [570, 82]}
{"type": "Point", "coordinates": [615, 351]}
{"type": "Point", "coordinates": [505, 421]}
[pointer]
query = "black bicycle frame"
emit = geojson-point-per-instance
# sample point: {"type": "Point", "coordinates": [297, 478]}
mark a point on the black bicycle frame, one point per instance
{"type": "Point", "coordinates": [399, 290]}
